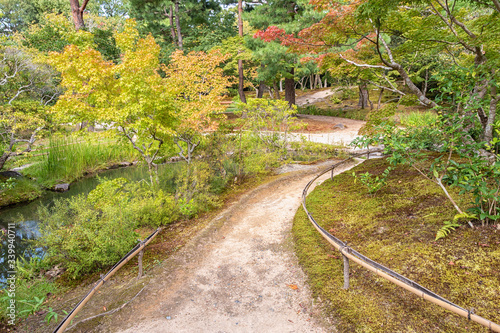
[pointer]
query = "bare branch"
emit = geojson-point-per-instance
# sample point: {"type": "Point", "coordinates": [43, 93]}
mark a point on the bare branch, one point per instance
{"type": "Point", "coordinates": [386, 88]}
{"type": "Point", "coordinates": [364, 65]}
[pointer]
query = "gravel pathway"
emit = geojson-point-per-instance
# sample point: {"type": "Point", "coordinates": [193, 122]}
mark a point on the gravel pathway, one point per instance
{"type": "Point", "coordinates": [240, 275]}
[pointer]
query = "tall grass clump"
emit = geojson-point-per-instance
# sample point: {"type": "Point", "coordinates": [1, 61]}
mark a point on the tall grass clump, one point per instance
{"type": "Point", "coordinates": [69, 158]}
{"type": "Point", "coordinates": [419, 119]}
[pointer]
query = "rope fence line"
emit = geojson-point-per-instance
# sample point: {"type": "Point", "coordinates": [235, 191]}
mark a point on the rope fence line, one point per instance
{"type": "Point", "coordinates": [350, 254]}
{"type": "Point", "coordinates": [138, 249]}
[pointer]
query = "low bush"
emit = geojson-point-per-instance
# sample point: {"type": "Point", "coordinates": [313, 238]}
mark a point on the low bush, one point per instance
{"type": "Point", "coordinates": [83, 237]}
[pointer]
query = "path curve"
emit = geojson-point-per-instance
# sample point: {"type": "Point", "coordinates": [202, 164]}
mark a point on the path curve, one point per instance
{"type": "Point", "coordinates": [239, 275]}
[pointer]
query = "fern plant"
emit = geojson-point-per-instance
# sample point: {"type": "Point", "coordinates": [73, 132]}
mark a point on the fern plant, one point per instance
{"type": "Point", "coordinates": [446, 229]}
{"type": "Point", "coordinates": [449, 226]}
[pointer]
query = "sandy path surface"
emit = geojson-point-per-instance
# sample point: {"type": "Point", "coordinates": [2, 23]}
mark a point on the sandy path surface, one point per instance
{"type": "Point", "coordinates": [239, 275]}
{"type": "Point", "coordinates": [330, 130]}
{"type": "Point", "coordinates": [315, 97]}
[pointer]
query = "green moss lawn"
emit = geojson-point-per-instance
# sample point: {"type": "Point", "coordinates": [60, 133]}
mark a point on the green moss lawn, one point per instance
{"type": "Point", "coordinates": [397, 227]}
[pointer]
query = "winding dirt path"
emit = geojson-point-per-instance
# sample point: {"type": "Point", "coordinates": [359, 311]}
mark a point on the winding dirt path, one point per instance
{"type": "Point", "coordinates": [239, 275]}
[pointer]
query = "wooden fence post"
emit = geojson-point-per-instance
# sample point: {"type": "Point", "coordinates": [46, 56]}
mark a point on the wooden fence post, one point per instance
{"type": "Point", "coordinates": [140, 263]}
{"type": "Point", "coordinates": [346, 272]}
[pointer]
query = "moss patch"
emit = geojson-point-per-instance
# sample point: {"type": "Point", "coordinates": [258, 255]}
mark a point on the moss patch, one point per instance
{"type": "Point", "coordinates": [397, 227]}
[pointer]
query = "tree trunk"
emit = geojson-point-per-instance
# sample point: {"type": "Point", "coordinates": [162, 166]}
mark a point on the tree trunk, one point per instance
{"type": "Point", "coordinates": [290, 88]}
{"type": "Point", "coordinates": [277, 91]}
{"type": "Point", "coordinates": [77, 13]}
{"type": "Point", "coordinates": [317, 81]}
{"type": "Point", "coordinates": [4, 159]}
{"type": "Point", "coordinates": [241, 93]}
{"type": "Point", "coordinates": [424, 90]}
{"type": "Point", "coordinates": [364, 97]}
{"type": "Point", "coordinates": [311, 82]}
{"type": "Point", "coordinates": [380, 98]}
{"type": "Point", "coordinates": [178, 24]}
{"type": "Point", "coordinates": [172, 28]}
{"type": "Point", "coordinates": [261, 89]}
{"type": "Point", "coordinates": [488, 130]}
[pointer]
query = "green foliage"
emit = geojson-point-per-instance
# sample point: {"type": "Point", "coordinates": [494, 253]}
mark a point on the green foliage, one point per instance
{"type": "Point", "coordinates": [51, 314]}
{"type": "Point", "coordinates": [419, 119]}
{"type": "Point", "coordinates": [446, 229]}
{"type": "Point", "coordinates": [83, 237]}
{"type": "Point", "coordinates": [482, 179]}
{"type": "Point", "coordinates": [193, 190]}
{"type": "Point", "coordinates": [335, 100]}
{"type": "Point", "coordinates": [457, 161]}
{"type": "Point", "coordinates": [376, 118]}
{"type": "Point", "coordinates": [33, 305]}
{"type": "Point", "coordinates": [8, 184]}
{"type": "Point", "coordinates": [305, 150]}
{"type": "Point", "coordinates": [24, 189]}
{"type": "Point", "coordinates": [340, 112]}
{"type": "Point", "coordinates": [347, 93]}
{"type": "Point", "coordinates": [155, 208]}
{"type": "Point", "coordinates": [373, 184]}
{"type": "Point", "coordinates": [270, 120]}
{"type": "Point", "coordinates": [409, 100]}
{"type": "Point", "coordinates": [68, 158]}
{"type": "Point", "coordinates": [30, 295]}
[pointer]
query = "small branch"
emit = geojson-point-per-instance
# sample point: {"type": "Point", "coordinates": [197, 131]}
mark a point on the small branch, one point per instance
{"type": "Point", "coordinates": [84, 5]}
{"type": "Point", "coordinates": [386, 88]}
{"type": "Point", "coordinates": [107, 313]}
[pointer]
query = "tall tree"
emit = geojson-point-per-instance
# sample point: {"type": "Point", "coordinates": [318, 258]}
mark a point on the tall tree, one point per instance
{"type": "Point", "coordinates": [286, 16]}
{"type": "Point", "coordinates": [187, 24]}
{"type": "Point", "coordinates": [398, 32]}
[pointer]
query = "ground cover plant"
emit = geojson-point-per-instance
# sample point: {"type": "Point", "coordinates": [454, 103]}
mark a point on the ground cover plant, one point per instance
{"type": "Point", "coordinates": [397, 227]}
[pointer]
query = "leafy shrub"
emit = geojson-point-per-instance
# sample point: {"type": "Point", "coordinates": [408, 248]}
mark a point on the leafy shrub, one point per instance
{"type": "Point", "coordinates": [373, 183]}
{"type": "Point", "coordinates": [409, 100]}
{"type": "Point", "coordinates": [347, 93]}
{"type": "Point", "coordinates": [269, 120]}
{"type": "Point", "coordinates": [83, 237]}
{"type": "Point", "coordinates": [376, 118]}
{"type": "Point", "coordinates": [335, 100]}
{"type": "Point", "coordinates": [155, 209]}
{"type": "Point", "coordinates": [193, 190]}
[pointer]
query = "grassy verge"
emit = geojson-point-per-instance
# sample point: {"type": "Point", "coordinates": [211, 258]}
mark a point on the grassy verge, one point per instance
{"type": "Point", "coordinates": [396, 227]}
{"type": "Point", "coordinates": [23, 190]}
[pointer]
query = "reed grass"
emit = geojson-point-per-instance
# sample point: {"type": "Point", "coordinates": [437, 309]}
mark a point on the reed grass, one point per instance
{"type": "Point", "coordinates": [69, 158]}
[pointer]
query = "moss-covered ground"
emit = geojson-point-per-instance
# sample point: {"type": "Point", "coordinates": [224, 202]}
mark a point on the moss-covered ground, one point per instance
{"type": "Point", "coordinates": [397, 227]}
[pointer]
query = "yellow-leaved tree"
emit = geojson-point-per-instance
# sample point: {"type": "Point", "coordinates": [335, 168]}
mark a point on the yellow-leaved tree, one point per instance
{"type": "Point", "coordinates": [132, 97]}
{"type": "Point", "coordinates": [201, 85]}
